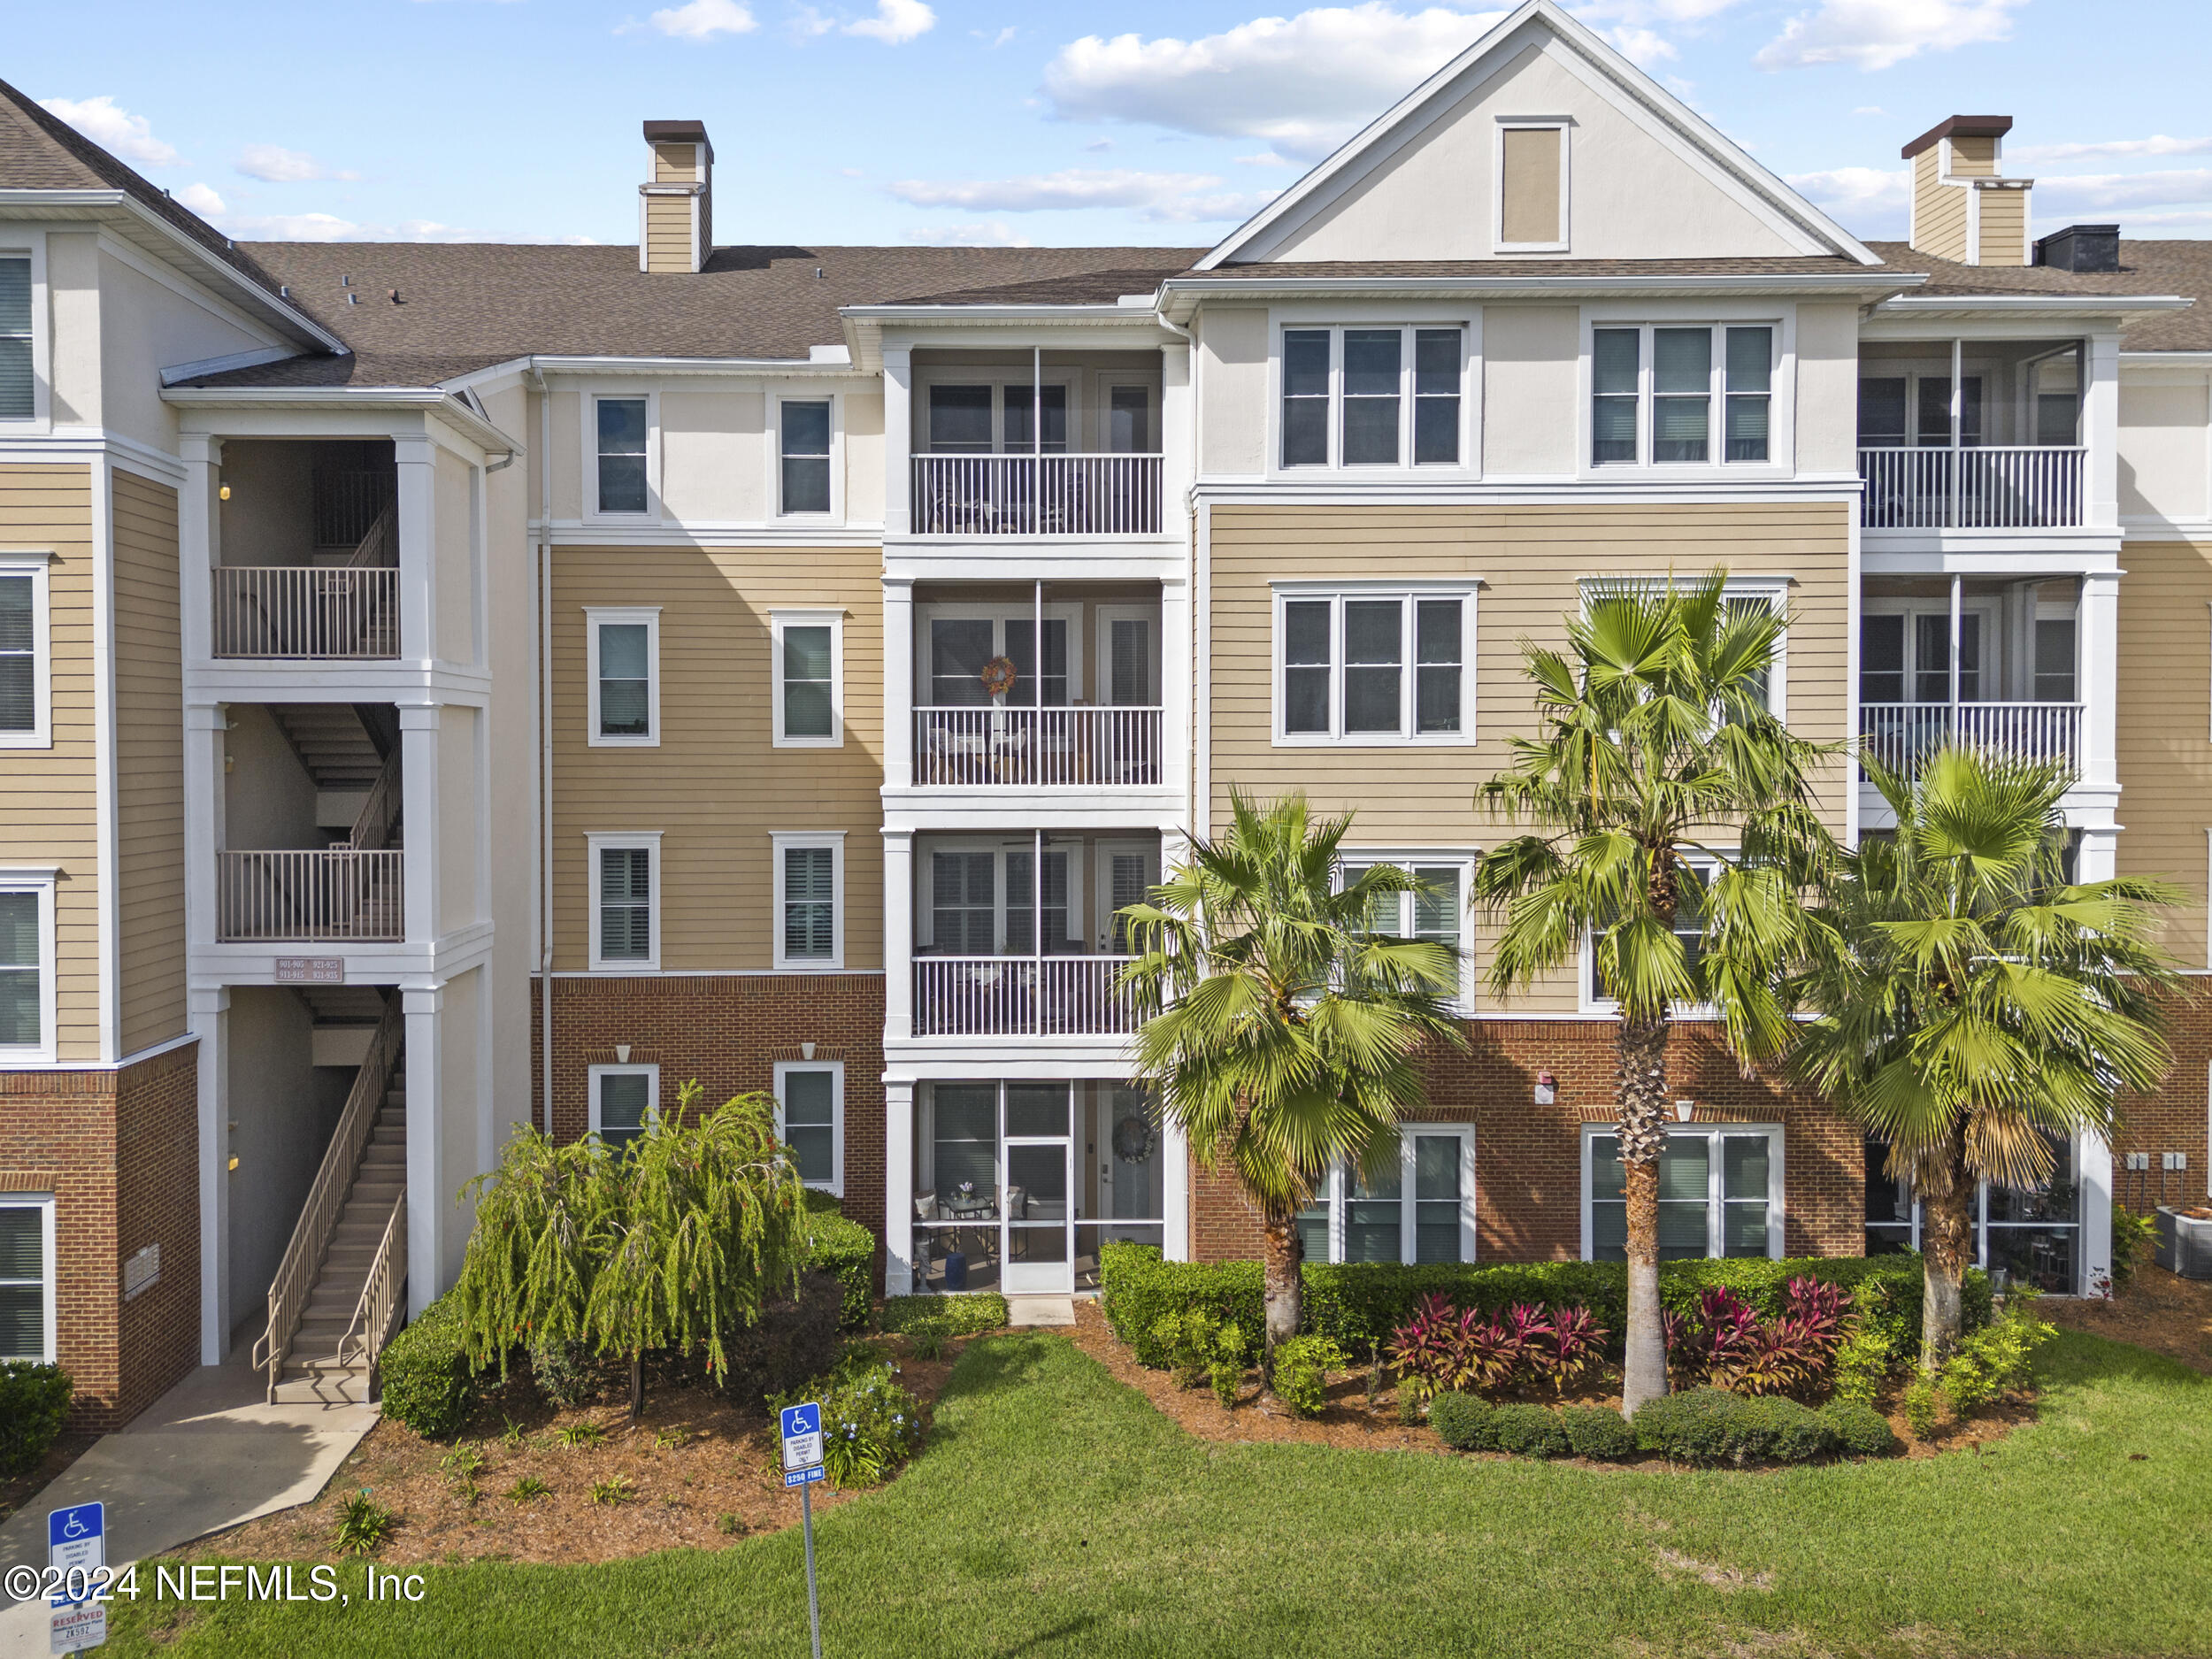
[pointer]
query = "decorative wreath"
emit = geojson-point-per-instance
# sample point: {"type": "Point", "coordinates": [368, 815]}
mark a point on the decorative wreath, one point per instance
{"type": "Point", "coordinates": [1135, 1138]}
{"type": "Point", "coordinates": [997, 676]}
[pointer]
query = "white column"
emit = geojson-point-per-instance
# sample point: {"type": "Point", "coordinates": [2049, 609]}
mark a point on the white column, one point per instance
{"type": "Point", "coordinates": [898, 1189]}
{"type": "Point", "coordinates": [1175, 1189]}
{"type": "Point", "coordinates": [898, 681]}
{"type": "Point", "coordinates": [415, 518]}
{"type": "Point", "coordinates": [205, 726]}
{"type": "Point", "coordinates": [2099, 636]}
{"type": "Point", "coordinates": [898, 934]}
{"type": "Point", "coordinates": [418, 729]}
{"type": "Point", "coordinates": [429, 1193]}
{"type": "Point", "coordinates": [1177, 439]}
{"type": "Point", "coordinates": [208, 1008]}
{"type": "Point", "coordinates": [1958, 591]}
{"type": "Point", "coordinates": [1175, 685]}
{"type": "Point", "coordinates": [898, 437]}
{"type": "Point", "coordinates": [2101, 431]}
{"type": "Point", "coordinates": [2098, 856]}
{"type": "Point", "coordinates": [199, 543]}
{"type": "Point", "coordinates": [2095, 1210]}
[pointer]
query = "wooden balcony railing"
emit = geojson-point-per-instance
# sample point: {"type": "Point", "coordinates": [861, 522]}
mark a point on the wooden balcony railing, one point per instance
{"type": "Point", "coordinates": [1996, 488]}
{"type": "Point", "coordinates": [1036, 494]}
{"type": "Point", "coordinates": [1030, 749]}
{"type": "Point", "coordinates": [340, 895]}
{"type": "Point", "coordinates": [1020, 996]}
{"type": "Point", "coordinates": [1899, 735]}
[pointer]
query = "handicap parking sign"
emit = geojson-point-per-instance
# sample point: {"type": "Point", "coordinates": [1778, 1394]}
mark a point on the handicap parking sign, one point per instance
{"type": "Point", "coordinates": [802, 1437]}
{"type": "Point", "coordinates": [76, 1539]}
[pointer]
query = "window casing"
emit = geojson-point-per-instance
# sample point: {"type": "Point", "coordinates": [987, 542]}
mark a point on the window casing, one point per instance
{"type": "Point", "coordinates": [626, 903]}
{"type": "Point", "coordinates": [811, 1120]}
{"type": "Point", "coordinates": [26, 1277]}
{"type": "Point", "coordinates": [625, 1102]}
{"type": "Point", "coordinates": [807, 698]}
{"type": "Point", "coordinates": [806, 457]}
{"type": "Point", "coordinates": [2034, 1236]}
{"type": "Point", "coordinates": [960, 638]}
{"type": "Point", "coordinates": [25, 662]}
{"type": "Point", "coordinates": [1438, 912]}
{"type": "Point", "coordinates": [1529, 188]}
{"type": "Point", "coordinates": [624, 677]}
{"type": "Point", "coordinates": [1720, 1193]}
{"type": "Point", "coordinates": [1417, 1207]}
{"type": "Point", "coordinates": [1361, 665]}
{"type": "Point", "coordinates": [981, 413]}
{"type": "Point", "coordinates": [1683, 394]}
{"type": "Point", "coordinates": [27, 965]}
{"type": "Point", "coordinates": [19, 375]}
{"type": "Point", "coordinates": [809, 899]}
{"type": "Point", "coordinates": [1361, 397]}
{"type": "Point", "coordinates": [621, 436]}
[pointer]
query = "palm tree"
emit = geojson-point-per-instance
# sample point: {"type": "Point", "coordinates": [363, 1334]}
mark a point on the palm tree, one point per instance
{"type": "Point", "coordinates": [1282, 1031]}
{"type": "Point", "coordinates": [1654, 735]}
{"type": "Point", "coordinates": [1970, 1002]}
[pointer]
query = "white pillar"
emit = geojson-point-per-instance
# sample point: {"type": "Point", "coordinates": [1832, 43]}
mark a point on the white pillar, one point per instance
{"type": "Point", "coordinates": [2100, 687]}
{"type": "Point", "coordinates": [898, 1189]}
{"type": "Point", "coordinates": [415, 518]}
{"type": "Point", "coordinates": [898, 437]}
{"type": "Point", "coordinates": [898, 682]}
{"type": "Point", "coordinates": [419, 732]}
{"type": "Point", "coordinates": [209, 1008]}
{"type": "Point", "coordinates": [1175, 687]}
{"type": "Point", "coordinates": [2095, 1210]}
{"type": "Point", "coordinates": [898, 934]}
{"type": "Point", "coordinates": [199, 543]}
{"type": "Point", "coordinates": [429, 1193]}
{"type": "Point", "coordinates": [2097, 859]}
{"type": "Point", "coordinates": [1178, 444]}
{"type": "Point", "coordinates": [2101, 431]}
{"type": "Point", "coordinates": [1174, 1189]}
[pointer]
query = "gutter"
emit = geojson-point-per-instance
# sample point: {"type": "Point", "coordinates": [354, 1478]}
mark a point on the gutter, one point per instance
{"type": "Point", "coordinates": [448, 405]}
{"type": "Point", "coordinates": [545, 741]}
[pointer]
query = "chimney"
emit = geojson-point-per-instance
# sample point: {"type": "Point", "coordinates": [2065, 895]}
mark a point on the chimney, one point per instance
{"type": "Point", "coordinates": [2080, 248]}
{"type": "Point", "coordinates": [675, 217]}
{"type": "Point", "coordinates": [1962, 208]}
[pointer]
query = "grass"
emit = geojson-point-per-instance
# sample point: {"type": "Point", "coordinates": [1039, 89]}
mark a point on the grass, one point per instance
{"type": "Point", "coordinates": [1056, 1513]}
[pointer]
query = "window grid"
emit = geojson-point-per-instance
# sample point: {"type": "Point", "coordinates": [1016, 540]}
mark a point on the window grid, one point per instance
{"type": "Point", "coordinates": [804, 434]}
{"type": "Point", "coordinates": [1415, 1204]}
{"type": "Point", "coordinates": [1719, 1193]}
{"type": "Point", "coordinates": [1396, 393]}
{"type": "Point", "coordinates": [810, 1111]}
{"type": "Point", "coordinates": [1654, 389]}
{"type": "Point", "coordinates": [25, 693]}
{"type": "Point", "coordinates": [810, 923]}
{"type": "Point", "coordinates": [1435, 912]}
{"type": "Point", "coordinates": [27, 1297]}
{"type": "Point", "coordinates": [626, 904]}
{"type": "Point", "coordinates": [18, 388]}
{"type": "Point", "coordinates": [622, 433]}
{"type": "Point", "coordinates": [625, 1100]}
{"type": "Point", "coordinates": [625, 647]}
{"type": "Point", "coordinates": [1343, 659]}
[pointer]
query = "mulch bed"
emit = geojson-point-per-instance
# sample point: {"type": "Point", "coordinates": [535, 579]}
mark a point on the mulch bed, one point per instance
{"type": "Point", "coordinates": [18, 1490]}
{"type": "Point", "coordinates": [2159, 1311]}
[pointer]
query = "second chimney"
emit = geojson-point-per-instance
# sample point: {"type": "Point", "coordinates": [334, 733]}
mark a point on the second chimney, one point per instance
{"type": "Point", "coordinates": [675, 214]}
{"type": "Point", "coordinates": [1962, 208]}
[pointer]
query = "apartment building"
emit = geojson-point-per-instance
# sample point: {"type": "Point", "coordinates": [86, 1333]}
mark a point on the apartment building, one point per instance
{"type": "Point", "coordinates": [455, 686]}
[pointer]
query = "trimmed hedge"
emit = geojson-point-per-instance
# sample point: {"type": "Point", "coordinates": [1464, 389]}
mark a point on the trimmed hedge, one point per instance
{"type": "Point", "coordinates": [1357, 1305]}
{"type": "Point", "coordinates": [1463, 1421]}
{"type": "Point", "coordinates": [841, 1248]}
{"type": "Point", "coordinates": [1529, 1431]}
{"type": "Point", "coordinates": [1599, 1432]}
{"type": "Point", "coordinates": [1468, 1423]}
{"type": "Point", "coordinates": [965, 1313]}
{"type": "Point", "coordinates": [425, 1373]}
{"type": "Point", "coordinates": [1860, 1430]}
{"type": "Point", "coordinates": [1710, 1426]}
{"type": "Point", "coordinates": [33, 1400]}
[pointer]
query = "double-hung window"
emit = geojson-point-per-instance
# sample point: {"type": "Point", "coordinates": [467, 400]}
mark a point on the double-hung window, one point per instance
{"type": "Point", "coordinates": [810, 911]}
{"type": "Point", "coordinates": [27, 964]}
{"type": "Point", "coordinates": [26, 676]}
{"type": "Point", "coordinates": [624, 677]}
{"type": "Point", "coordinates": [1665, 395]}
{"type": "Point", "coordinates": [804, 441]}
{"type": "Point", "coordinates": [2032, 1235]}
{"type": "Point", "coordinates": [1720, 1193]}
{"type": "Point", "coordinates": [626, 882]}
{"type": "Point", "coordinates": [811, 1118]}
{"type": "Point", "coordinates": [624, 1101]}
{"type": "Point", "coordinates": [19, 390]}
{"type": "Point", "coordinates": [1413, 1200]}
{"type": "Point", "coordinates": [807, 699]}
{"type": "Point", "coordinates": [1374, 665]}
{"type": "Point", "coordinates": [26, 1277]}
{"type": "Point", "coordinates": [1373, 396]}
{"type": "Point", "coordinates": [1435, 912]}
{"type": "Point", "coordinates": [622, 432]}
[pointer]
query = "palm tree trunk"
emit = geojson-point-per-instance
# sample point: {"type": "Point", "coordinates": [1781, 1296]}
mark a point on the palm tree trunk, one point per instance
{"type": "Point", "coordinates": [637, 1386]}
{"type": "Point", "coordinates": [1283, 1252]}
{"type": "Point", "coordinates": [1642, 1110]}
{"type": "Point", "coordinates": [1946, 1245]}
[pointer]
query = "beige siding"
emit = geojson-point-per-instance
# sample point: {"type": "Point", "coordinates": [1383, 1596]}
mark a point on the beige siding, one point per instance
{"type": "Point", "coordinates": [715, 787]}
{"type": "Point", "coordinates": [1938, 209]}
{"type": "Point", "coordinates": [2165, 728]}
{"type": "Point", "coordinates": [2004, 226]}
{"type": "Point", "coordinates": [668, 233]}
{"type": "Point", "coordinates": [1529, 561]}
{"type": "Point", "coordinates": [150, 763]}
{"type": "Point", "coordinates": [675, 164]}
{"type": "Point", "coordinates": [1972, 157]}
{"type": "Point", "coordinates": [48, 814]}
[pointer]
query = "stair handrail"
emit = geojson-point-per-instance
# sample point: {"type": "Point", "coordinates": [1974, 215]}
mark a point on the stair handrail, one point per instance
{"type": "Point", "coordinates": [373, 825]}
{"type": "Point", "coordinates": [376, 1315]}
{"type": "Point", "coordinates": [294, 1280]}
{"type": "Point", "coordinates": [375, 549]}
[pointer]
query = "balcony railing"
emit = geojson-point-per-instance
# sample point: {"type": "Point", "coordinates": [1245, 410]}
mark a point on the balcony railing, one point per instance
{"type": "Point", "coordinates": [340, 895]}
{"type": "Point", "coordinates": [1899, 734]}
{"type": "Point", "coordinates": [1036, 494]}
{"type": "Point", "coordinates": [1030, 749]}
{"type": "Point", "coordinates": [1020, 996]}
{"type": "Point", "coordinates": [2008, 488]}
{"type": "Point", "coordinates": [306, 611]}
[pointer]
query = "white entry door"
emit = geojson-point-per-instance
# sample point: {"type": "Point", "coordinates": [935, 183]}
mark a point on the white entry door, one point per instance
{"type": "Point", "coordinates": [1037, 1181]}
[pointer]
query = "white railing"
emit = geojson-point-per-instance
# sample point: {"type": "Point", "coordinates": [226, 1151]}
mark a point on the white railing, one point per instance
{"type": "Point", "coordinates": [1021, 996]}
{"type": "Point", "coordinates": [379, 816]}
{"type": "Point", "coordinates": [1036, 747]}
{"type": "Point", "coordinates": [346, 612]}
{"type": "Point", "coordinates": [2010, 487]}
{"type": "Point", "coordinates": [1898, 734]}
{"type": "Point", "coordinates": [1036, 494]}
{"type": "Point", "coordinates": [296, 1274]}
{"type": "Point", "coordinates": [376, 1316]}
{"type": "Point", "coordinates": [339, 894]}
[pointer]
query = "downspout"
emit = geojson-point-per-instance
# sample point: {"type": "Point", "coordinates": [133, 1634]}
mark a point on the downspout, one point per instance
{"type": "Point", "coordinates": [545, 741]}
{"type": "Point", "coordinates": [1193, 610]}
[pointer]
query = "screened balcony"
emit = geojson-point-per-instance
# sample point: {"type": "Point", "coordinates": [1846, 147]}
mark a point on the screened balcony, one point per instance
{"type": "Point", "coordinates": [1970, 434]}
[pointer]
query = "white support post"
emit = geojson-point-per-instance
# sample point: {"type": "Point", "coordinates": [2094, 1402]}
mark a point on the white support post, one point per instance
{"type": "Point", "coordinates": [1178, 408]}
{"type": "Point", "coordinates": [1174, 1189]}
{"type": "Point", "coordinates": [898, 682]}
{"type": "Point", "coordinates": [206, 727]}
{"type": "Point", "coordinates": [429, 1193]}
{"type": "Point", "coordinates": [199, 544]}
{"type": "Point", "coordinates": [1175, 686]}
{"type": "Point", "coordinates": [898, 934]}
{"type": "Point", "coordinates": [2100, 431]}
{"type": "Point", "coordinates": [898, 437]}
{"type": "Point", "coordinates": [2095, 1210]}
{"type": "Point", "coordinates": [898, 1189]}
{"type": "Point", "coordinates": [209, 1010]}
{"type": "Point", "coordinates": [415, 519]}
{"type": "Point", "coordinates": [2099, 636]}
{"type": "Point", "coordinates": [419, 738]}
{"type": "Point", "coordinates": [1958, 609]}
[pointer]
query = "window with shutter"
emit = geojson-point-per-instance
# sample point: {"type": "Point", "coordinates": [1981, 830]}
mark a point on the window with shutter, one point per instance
{"type": "Point", "coordinates": [19, 394]}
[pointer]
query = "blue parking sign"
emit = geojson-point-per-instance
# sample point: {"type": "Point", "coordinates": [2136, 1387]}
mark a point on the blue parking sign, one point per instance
{"type": "Point", "coordinates": [76, 1538]}
{"type": "Point", "coordinates": [802, 1438]}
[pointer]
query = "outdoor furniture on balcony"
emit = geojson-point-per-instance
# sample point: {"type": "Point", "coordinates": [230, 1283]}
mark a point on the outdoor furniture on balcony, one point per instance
{"type": "Point", "coordinates": [1899, 735]}
{"type": "Point", "coordinates": [1021, 996]}
{"type": "Point", "coordinates": [1036, 494]}
{"type": "Point", "coordinates": [2010, 487]}
{"type": "Point", "coordinates": [1036, 747]}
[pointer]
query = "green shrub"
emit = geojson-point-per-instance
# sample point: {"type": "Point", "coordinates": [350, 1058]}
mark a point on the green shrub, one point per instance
{"type": "Point", "coordinates": [567, 1374]}
{"type": "Point", "coordinates": [928, 1339]}
{"type": "Point", "coordinates": [794, 1338]}
{"type": "Point", "coordinates": [1529, 1431]}
{"type": "Point", "coordinates": [1463, 1421]}
{"type": "Point", "coordinates": [967, 1313]}
{"type": "Point", "coordinates": [1598, 1433]}
{"type": "Point", "coordinates": [1358, 1304]}
{"type": "Point", "coordinates": [1922, 1406]}
{"type": "Point", "coordinates": [1860, 1430]}
{"type": "Point", "coordinates": [2133, 1240]}
{"type": "Point", "coordinates": [1187, 1343]}
{"type": "Point", "coordinates": [33, 1400]}
{"type": "Point", "coordinates": [1772, 1429]}
{"type": "Point", "coordinates": [425, 1373]}
{"type": "Point", "coordinates": [843, 1248]}
{"type": "Point", "coordinates": [869, 1424]}
{"type": "Point", "coordinates": [1227, 1377]}
{"type": "Point", "coordinates": [1690, 1428]}
{"type": "Point", "coordinates": [362, 1526]}
{"type": "Point", "coordinates": [1862, 1362]}
{"type": "Point", "coordinates": [1998, 1359]}
{"type": "Point", "coordinates": [1409, 1405]}
{"type": "Point", "coordinates": [1710, 1426]}
{"type": "Point", "coordinates": [1301, 1368]}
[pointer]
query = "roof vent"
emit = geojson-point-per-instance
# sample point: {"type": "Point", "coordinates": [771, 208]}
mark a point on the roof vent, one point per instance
{"type": "Point", "coordinates": [2080, 248]}
{"type": "Point", "coordinates": [1963, 209]}
{"type": "Point", "coordinates": [675, 228]}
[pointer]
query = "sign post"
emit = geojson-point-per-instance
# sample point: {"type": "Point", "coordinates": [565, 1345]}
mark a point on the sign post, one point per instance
{"type": "Point", "coordinates": [77, 1547]}
{"type": "Point", "coordinates": [801, 1468]}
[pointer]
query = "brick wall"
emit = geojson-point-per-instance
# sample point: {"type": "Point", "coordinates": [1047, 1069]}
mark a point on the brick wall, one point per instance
{"type": "Point", "coordinates": [728, 1032]}
{"type": "Point", "coordinates": [120, 1152]}
{"type": "Point", "coordinates": [2175, 1118]}
{"type": "Point", "coordinates": [1528, 1158]}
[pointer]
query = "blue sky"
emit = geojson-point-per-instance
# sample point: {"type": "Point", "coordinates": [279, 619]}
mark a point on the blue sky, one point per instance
{"type": "Point", "coordinates": [982, 122]}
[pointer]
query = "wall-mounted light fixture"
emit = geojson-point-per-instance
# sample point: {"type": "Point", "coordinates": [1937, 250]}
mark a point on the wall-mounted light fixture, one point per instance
{"type": "Point", "coordinates": [223, 494]}
{"type": "Point", "coordinates": [1546, 1088]}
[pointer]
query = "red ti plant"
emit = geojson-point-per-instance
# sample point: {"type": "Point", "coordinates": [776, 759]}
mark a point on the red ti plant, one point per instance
{"type": "Point", "coordinates": [1430, 1353]}
{"type": "Point", "coordinates": [1574, 1348]}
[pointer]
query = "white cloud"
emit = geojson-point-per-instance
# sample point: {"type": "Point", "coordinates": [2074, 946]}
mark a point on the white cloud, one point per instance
{"type": "Point", "coordinates": [703, 19]}
{"type": "Point", "coordinates": [1869, 109]}
{"type": "Point", "coordinates": [272, 164]}
{"type": "Point", "coordinates": [117, 131]}
{"type": "Point", "coordinates": [991, 233]}
{"type": "Point", "coordinates": [1098, 146]}
{"type": "Point", "coordinates": [1303, 84]}
{"type": "Point", "coordinates": [895, 22]}
{"type": "Point", "coordinates": [1856, 196]}
{"type": "Point", "coordinates": [1265, 158]}
{"type": "Point", "coordinates": [1174, 198]}
{"type": "Point", "coordinates": [201, 199]}
{"type": "Point", "coordinates": [997, 39]}
{"type": "Point", "coordinates": [2157, 145]}
{"type": "Point", "coordinates": [1641, 46]}
{"type": "Point", "coordinates": [2104, 191]}
{"type": "Point", "coordinates": [1641, 11]}
{"type": "Point", "coordinates": [331, 227]}
{"type": "Point", "coordinates": [1876, 33]}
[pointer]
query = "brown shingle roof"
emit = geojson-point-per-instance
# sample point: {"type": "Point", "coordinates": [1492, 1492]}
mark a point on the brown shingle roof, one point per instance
{"type": "Point", "coordinates": [2183, 267]}
{"type": "Point", "coordinates": [1779, 266]}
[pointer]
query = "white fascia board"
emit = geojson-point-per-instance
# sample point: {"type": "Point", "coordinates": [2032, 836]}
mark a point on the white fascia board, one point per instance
{"type": "Point", "coordinates": [179, 372]}
{"type": "Point", "coordinates": [1181, 296]}
{"type": "Point", "coordinates": [810, 367]}
{"type": "Point", "coordinates": [2167, 359]}
{"type": "Point", "coordinates": [1923, 305]}
{"type": "Point", "coordinates": [431, 400]}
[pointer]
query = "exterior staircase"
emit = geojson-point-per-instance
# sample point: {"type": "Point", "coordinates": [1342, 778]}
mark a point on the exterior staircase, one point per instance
{"type": "Point", "coordinates": [335, 743]}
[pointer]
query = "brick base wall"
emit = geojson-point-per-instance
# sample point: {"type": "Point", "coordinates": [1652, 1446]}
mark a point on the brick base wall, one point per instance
{"type": "Point", "coordinates": [728, 1033]}
{"type": "Point", "coordinates": [2175, 1118]}
{"type": "Point", "coordinates": [1528, 1158]}
{"type": "Point", "coordinates": [119, 1151]}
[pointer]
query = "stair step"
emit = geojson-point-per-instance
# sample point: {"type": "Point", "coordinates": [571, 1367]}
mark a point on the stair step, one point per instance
{"type": "Point", "coordinates": [341, 1388]}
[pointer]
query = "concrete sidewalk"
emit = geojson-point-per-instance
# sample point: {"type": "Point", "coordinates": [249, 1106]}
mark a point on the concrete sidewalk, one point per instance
{"type": "Point", "coordinates": [206, 1455]}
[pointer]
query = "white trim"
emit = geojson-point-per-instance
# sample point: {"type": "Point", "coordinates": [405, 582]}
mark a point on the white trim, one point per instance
{"type": "Point", "coordinates": [41, 880]}
{"type": "Point", "coordinates": [781, 841]}
{"type": "Point", "coordinates": [611, 842]}
{"type": "Point", "coordinates": [1335, 594]}
{"type": "Point", "coordinates": [650, 1073]}
{"type": "Point", "coordinates": [36, 566]}
{"type": "Point", "coordinates": [1331, 321]}
{"type": "Point", "coordinates": [589, 432]}
{"type": "Point", "coordinates": [1461, 859]}
{"type": "Point", "coordinates": [782, 515]}
{"type": "Point", "coordinates": [106, 814]}
{"type": "Point", "coordinates": [43, 1202]}
{"type": "Point", "coordinates": [32, 247]}
{"type": "Point", "coordinates": [1564, 126]}
{"type": "Point", "coordinates": [778, 619]}
{"type": "Point", "coordinates": [598, 616]}
{"type": "Point", "coordinates": [1781, 458]}
{"type": "Point", "coordinates": [835, 1184]}
{"type": "Point", "coordinates": [1716, 1171]}
{"type": "Point", "coordinates": [1336, 1193]}
{"type": "Point", "coordinates": [998, 613]}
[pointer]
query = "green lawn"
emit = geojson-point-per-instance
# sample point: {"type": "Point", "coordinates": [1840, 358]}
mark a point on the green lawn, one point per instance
{"type": "Point", "coordinates": [1055, 1512]}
